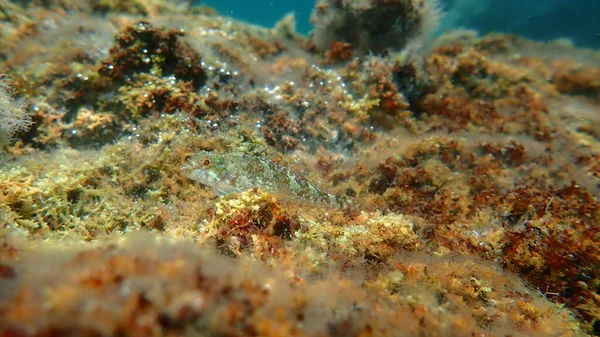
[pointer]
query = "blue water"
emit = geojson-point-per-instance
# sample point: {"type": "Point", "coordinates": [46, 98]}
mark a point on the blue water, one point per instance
{"type": "Point", "coordinates": [542, 20]}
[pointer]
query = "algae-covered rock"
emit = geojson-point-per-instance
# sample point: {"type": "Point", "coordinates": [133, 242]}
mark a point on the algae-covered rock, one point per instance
{"type": "Point", "coordinates": [471, 167]}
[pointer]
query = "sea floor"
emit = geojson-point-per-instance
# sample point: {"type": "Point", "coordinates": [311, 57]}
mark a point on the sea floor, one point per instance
{"type": "Point", "coordinates": [469, 167]}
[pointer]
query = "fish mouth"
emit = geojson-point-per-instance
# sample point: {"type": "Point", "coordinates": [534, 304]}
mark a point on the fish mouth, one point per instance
{"type": "Point", "coordinates": [219, 186]}
{"type": "Point", "coordinates": [205, 177]}
{"type": "Point", "coordinates": [188, 172]}
{"type": "Point", "coordinates": [199, 175]}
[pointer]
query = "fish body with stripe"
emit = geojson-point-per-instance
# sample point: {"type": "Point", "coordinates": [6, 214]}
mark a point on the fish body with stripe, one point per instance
{"type": "Point", "coordinates": [238, 172]}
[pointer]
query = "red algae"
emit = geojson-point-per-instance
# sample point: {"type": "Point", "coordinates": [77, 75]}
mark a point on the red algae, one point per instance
{"type": "Point", "coordinates": [472, 166]}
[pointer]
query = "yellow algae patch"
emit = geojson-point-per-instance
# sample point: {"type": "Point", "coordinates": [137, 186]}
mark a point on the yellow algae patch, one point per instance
{"type": "Point", "coordinates": [379, 236]}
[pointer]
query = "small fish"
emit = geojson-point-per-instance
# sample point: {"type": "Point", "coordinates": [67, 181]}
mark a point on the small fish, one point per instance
{"type": "Point", "coordinates": [238, 172]}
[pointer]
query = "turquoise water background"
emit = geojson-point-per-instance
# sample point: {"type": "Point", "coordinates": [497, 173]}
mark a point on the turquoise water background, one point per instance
{"type": "Point", "coordinates": [542, 20]}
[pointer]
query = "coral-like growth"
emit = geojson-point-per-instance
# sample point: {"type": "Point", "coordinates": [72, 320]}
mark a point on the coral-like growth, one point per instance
{"type": "Point", "coordinates": [133, 7]}
{"type": "Point", "coordinates": [563, 256]}
{"type": "Point", "coordinates": [372, 25]}
{"type": "Point", "coordinates": [142, 48]}
{"type": "Point", "coordinates": [373, 80]}
{"type": "Point", "coordinates": [153, 286]}
{"type": "Point", "coordinates": [13, 116]}
{"type": "Point", "coordinates": [150, 94]}
{"type": "Point", "coordinates": [376, 237]}
{"type": "Point", "coordinates": [583, 81]}
{"type": "Point", "coordinates": [252, 220]}
{"type": "Point", "coordinates": [339, 52]}
{"type": "Point", "coordinates": [476, 160]}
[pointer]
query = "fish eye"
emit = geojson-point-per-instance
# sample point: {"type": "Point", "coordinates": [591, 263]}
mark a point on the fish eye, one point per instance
{"type": "Point", "coordinates": [206, 162]}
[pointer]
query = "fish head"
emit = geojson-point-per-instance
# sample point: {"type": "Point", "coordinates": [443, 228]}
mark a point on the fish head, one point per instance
{"type": "Point", "coordinates": [211, 169]}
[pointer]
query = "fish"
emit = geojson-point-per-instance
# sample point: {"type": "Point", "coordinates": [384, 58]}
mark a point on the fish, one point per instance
{"type": "Point", "coordinates": [230, 172]}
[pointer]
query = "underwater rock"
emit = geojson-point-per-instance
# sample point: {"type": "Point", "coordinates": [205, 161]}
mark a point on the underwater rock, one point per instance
{"type": "Point", "coordinates": [142, 48]}
{"type": "Point", "coordinates": [372, 25]}
{"type": "Point", "coordinates": [472, 166]}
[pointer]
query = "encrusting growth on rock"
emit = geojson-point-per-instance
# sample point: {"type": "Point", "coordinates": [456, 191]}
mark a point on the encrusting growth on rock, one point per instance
{"type": "Point", "coordinates": [373, 25]}
{"type": "Point", "coordinates": [366, 187]}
